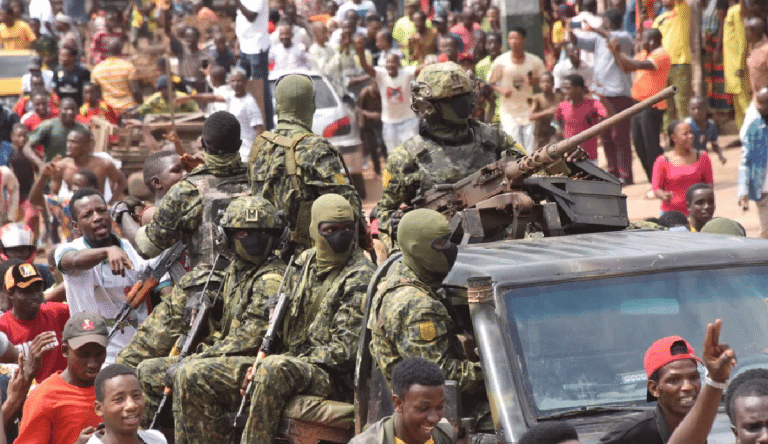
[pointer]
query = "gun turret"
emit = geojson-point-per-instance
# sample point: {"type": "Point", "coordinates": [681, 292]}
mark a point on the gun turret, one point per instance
{"type": "Point", "coordinates": [499, 200]}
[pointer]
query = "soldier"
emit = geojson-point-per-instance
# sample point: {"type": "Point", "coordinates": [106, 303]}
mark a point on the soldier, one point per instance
{"type": "Point", "coordinates": [408, 318]}
{"type": "Point", "coordinates": [252, 227]}
{"type": "Point", "coordinates": [322, 325]}
{"type": "Point", "coordinates": [291, 166]}
{"type": "Point", "coordinates": [187, 212]}
{"type": "Point", "coordinates": [449, 146]}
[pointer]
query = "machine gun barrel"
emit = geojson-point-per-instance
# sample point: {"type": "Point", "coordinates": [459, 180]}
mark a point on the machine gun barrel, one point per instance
{"type": "Point", "coordinates": [519, 169]}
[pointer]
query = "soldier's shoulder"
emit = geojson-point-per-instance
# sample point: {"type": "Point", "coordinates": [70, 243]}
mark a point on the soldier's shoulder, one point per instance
{"type": "Point", "coordinates": [408, 151]}
{"type": "Point", "coordinates": [181, 189]}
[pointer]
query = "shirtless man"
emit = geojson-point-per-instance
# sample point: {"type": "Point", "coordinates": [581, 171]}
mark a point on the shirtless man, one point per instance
{"type": "Point", "coordinates": [80, 158]}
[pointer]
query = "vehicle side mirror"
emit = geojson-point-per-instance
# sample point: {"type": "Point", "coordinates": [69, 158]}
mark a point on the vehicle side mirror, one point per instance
{"type": "Point", "coordinates": [348, 99]}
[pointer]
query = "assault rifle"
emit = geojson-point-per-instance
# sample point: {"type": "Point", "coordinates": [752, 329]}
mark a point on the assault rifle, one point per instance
{"type": "Point", "coordinates": [198, 322]}
{"type": "Point", "coordinates": [147, 282]}
{"type": "Point", "coordinates": [268, 343]}
{"type": "Point", "coordinates": [501, 199]}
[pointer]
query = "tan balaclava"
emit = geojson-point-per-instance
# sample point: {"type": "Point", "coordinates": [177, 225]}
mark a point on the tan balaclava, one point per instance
{"type": "Point", "coordinates": [332, 250]}
{"type": "Point", "coordinates": [295, 100]}
{"type": "Point", "coordinates": [417, 234]}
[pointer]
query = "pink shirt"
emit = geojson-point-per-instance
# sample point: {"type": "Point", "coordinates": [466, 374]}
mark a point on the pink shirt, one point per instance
{"type": "Point", "coordinates": [576, 118]}
{"type": "Point", "coordinates": [678, 179]}
{"type": "Point", "coordinates": [467, 36]}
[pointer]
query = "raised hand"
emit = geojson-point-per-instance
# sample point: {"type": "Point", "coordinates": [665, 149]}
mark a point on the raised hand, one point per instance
{"type": "Point", "coordinates": [718, 358]}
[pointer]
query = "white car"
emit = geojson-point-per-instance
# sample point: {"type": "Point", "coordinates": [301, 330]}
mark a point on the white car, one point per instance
{"type": "Point", "coordinates": [336, 120]}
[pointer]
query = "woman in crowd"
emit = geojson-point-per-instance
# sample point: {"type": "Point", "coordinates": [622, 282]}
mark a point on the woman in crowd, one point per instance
{"type": "Point", "coordinates": [679, 168]}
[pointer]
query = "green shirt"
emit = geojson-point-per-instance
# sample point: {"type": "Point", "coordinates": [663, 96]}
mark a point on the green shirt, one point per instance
{"type": "Point", "coordinates": [52, 135]}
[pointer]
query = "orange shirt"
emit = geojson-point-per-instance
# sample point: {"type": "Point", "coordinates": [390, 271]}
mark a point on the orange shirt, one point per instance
{"type": "Point", "coordinates": [650, 81]}
{"type": "Point", "coordinates": [55, 412]}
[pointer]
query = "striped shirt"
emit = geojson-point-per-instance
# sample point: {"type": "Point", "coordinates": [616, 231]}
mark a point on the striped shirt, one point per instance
{"type": "Point", "coordinates": [115, 75]}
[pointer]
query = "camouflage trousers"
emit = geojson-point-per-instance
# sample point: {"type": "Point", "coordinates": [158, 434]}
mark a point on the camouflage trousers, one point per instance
{"type": "Point", "coordinates": [158, 333]}
{"type": "Point", "coordinates": [204, 392]}
{"type": "Point", "coordinates": [277, 378]}
{"type": "Point", "coordinates": [151, 374]}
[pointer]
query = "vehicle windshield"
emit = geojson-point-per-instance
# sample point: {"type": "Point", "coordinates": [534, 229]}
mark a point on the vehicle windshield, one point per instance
{"type": "Point", "coordinates": [582, 343]}
{"type": "Point", "coordinates": [323, 96]}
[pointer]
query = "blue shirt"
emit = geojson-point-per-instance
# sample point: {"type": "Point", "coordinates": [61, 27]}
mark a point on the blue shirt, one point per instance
{"type": "Point", "coordinates": [5, 151]}
{"type": "Point", "coordinates": [700, 138]}
{"type": "Point", "coordinates": [754, 156]}
{"type": "Point", "coordinates": [608, 79]}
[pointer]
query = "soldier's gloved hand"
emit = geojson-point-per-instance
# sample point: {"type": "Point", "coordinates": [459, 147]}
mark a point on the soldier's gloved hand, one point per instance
{"type": "Point", "coordinates": [170, 374]}
{"type": "Point", "coordinates": [394, 220]}
{"type": "Point", "coordinates": [118, 210]}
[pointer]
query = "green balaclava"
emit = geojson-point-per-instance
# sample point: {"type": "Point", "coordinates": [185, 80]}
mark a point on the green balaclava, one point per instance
{"type": "Point", "coordinates": [335, 249]}
{"type": "Point", "coordinates": [416, 234]}
{"type": "Point", "coordinates": [295, 100]}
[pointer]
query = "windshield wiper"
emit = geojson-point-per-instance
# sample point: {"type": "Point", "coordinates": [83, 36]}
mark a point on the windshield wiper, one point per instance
{"type": "Point", "coordinates": [594, 410]}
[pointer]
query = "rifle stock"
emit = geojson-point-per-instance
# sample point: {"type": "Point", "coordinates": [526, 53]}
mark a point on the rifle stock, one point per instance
{"type": "Point", "coordinates": [199, 319]}
{"type": "Point", "coordinates": [267, 343]}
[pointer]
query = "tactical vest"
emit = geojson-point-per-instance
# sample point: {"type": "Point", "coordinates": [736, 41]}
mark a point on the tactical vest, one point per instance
{"type": "Point", "coordinates": [441, 164]}
{"type": "Point", "coordinates": [216, 194]}
{"type": "Point", "coordinates": [300, 225]}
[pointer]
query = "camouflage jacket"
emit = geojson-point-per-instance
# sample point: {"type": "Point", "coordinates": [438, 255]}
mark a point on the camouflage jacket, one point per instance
{"type": "Point", "coordinates": [179, 214]}
{"type": "Point", "coordinates": [421, 163]}
{"type": "Point", "coordinates": [407, 319]}
{"type": "Point", "coordinates": [329, 336]}
{"type": "Point", "coordinates": [244, 316]}
{"type": "Point", "coordinates": [293, 186]}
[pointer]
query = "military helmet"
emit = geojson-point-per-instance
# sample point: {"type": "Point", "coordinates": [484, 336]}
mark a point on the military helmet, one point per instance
{"type": "Point", "coordinates": [251, 212]}
{"type": "Point", "coordinates": [441, 81]}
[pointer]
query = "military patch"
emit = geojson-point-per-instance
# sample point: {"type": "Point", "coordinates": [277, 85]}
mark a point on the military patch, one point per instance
{"type": "Point", "coordinates": [427, 330]}
{"type": "Point", "coordinates": [385, 178]}
{"type": "Point", "coordinates": [339, 179]}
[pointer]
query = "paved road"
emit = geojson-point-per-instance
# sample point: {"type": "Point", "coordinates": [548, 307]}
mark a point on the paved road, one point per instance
{"type": "Point", "coordinates": [640, 208]}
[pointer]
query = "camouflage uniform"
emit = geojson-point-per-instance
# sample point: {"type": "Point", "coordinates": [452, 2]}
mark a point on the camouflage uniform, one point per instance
{"type": "Point", "coordinates": [236, 331]}
{"type": "Point", "coordinates": [179, 216]}
{"type": "Point", "coordinates": [443, 152]}
{"type": "Point", "coordinates": [291, 166]}
{"type": "Point", "coordinates": [408, 320]}
{"type": "Point", "coordinates": [320, 348]}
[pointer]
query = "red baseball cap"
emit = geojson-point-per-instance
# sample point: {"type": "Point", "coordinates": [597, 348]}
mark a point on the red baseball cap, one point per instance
{"type": "Point", "coordinates": [660, 354]}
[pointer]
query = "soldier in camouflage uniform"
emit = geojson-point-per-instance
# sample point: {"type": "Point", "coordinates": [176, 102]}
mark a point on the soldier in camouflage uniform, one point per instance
{"type": "Point", "coordinates": [186, 212]}
{"type": "Point", "coordinates": [235, 327]}
{"type": "Point", "coordinates": [449, 147]}
{"type": "Point", "coordinates": [290, 166]}
{"type": "Point", "coordinates": [408, 318]}
{"type": "Point", "coordinates": [322, 326]}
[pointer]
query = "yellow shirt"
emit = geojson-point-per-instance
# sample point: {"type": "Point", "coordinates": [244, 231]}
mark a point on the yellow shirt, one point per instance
{"type": "Point", "coordinates": [137, 20]}
{"type": "Point", "coordinates": [431, 440]}
{"type": "Point", "coordinates": [675, 28]}
{"type": "Point", "coordinates": [18, 36]}
{"type": "Point", "coordinates": [558, 32]}
{"type": "Point", "coordinates": [734, 49]}
{"type": "Point", "coordinates": [115, 75]}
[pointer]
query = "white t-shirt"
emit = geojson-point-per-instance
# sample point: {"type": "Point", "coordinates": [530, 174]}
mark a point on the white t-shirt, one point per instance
{"type": "Point", "coordinates": [565, 68]}
{"type": "Point", "coordinates": [26, 82]}
{"type": "Point", "coordinates": [291, 58]}
{"type": "Point", "coordinates": [361, 9]}
{"type": "Point", "coordinates": [514, 110]}
{"type": "Point", "coordinates": [300, 35]}
{"type": "Point", "coordinates": [249, 115]}
{"type": "Point", "coordinates": [221, 91]}
{"type": "Point", "coordinates": [253, 36]}
{"type": "Point", "coordinates": [148, 436]}
{"type": "Point", "coordinates": [41, 10]}
{"type": "Point", "coordinates": [97, 290]}
{"type": "Point", "coordinates": [395, 94]}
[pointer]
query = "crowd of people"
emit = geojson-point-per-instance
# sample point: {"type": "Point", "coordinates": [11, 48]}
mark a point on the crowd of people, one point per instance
{"type": "Point", "coordinates": [436, 98]}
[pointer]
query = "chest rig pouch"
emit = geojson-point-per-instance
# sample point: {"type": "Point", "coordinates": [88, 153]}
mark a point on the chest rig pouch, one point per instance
{"type": "Point", "coordinates": [216, 194]}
